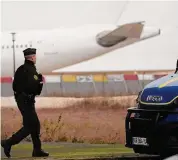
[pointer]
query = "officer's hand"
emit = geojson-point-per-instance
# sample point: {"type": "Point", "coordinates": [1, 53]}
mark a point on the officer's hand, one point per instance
{"type": "Point", "coordinates": [40, 77]}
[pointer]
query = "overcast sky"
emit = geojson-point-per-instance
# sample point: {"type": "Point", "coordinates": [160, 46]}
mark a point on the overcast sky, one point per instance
{"type": "Point", "coordinates": [21, 15]}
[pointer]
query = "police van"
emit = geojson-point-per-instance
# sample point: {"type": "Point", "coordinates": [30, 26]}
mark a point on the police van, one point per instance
{"type": "Point", "coordinates": [152, 126]}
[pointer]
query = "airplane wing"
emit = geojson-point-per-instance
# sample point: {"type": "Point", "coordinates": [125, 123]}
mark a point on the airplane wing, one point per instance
{"type": "Point", "coordinates": [121, 33]}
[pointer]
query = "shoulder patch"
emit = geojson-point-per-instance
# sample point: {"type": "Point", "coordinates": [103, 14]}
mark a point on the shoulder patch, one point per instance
{"type": "Point", "coordinates": [35, 77]}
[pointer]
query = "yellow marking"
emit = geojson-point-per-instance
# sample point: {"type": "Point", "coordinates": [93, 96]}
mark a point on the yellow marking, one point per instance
{"type": "Point", "coordinates": [69, 78]}
{"type": "Point", "coordinates": [35, 77]}
{"type": "Point", "coordinates": [168, 82]}
{"type": "Point", "coordinates": [100, 78]}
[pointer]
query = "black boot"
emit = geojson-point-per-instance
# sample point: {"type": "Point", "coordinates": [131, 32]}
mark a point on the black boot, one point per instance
{"type": "Point", "coordinates": [39, 153]}
{"type": "Point", "coordinates": [7, 148]}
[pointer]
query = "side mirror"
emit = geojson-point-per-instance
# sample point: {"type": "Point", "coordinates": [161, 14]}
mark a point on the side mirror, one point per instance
{"type": "Point", "coordinates": [176, 66]}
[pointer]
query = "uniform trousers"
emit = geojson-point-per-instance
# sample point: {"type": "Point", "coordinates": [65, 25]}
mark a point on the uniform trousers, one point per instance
{"type": "Point", "coordinates": [31, 123]}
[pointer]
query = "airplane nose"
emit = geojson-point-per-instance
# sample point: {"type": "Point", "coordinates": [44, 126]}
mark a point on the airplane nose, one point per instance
{"type": "Point", "coordinates": [148, 32]}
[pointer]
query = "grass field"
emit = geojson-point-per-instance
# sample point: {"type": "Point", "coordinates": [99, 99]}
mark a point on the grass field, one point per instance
{"type": "Point", "coordinates": [69, 150]}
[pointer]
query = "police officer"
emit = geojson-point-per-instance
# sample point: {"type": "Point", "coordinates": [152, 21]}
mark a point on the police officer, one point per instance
{"type": "Point", "coordinates": [26, 85]}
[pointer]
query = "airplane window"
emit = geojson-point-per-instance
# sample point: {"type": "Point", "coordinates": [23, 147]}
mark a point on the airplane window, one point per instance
{"type": "Point", "coordinates": [17, 46]}
{"type": "Point", "coordinates": [26, 46]}
{"type": "Point", "coordinates": [30, 45]}
{"type": "Point", "coordinates": [21, 46]}
{"type": "Point", "coordinates": [2, 47]}
{"type": "Point", "coordinates": [7, 47]}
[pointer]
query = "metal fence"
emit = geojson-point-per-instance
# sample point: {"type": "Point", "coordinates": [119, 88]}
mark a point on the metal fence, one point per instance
{"type": "Point", "coordinates": [87, 85]}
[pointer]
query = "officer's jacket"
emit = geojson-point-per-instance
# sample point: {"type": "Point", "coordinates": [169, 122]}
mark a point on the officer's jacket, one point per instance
{"type": "Point", "coordinates": [27, 79]}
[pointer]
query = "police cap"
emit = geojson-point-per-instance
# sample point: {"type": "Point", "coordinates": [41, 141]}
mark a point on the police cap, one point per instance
{"type": "Point", "coordinates": [29, 51]}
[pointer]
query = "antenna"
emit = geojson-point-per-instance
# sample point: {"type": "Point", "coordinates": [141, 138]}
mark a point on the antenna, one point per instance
{"type": "Point", "coordinates": [13, 40]}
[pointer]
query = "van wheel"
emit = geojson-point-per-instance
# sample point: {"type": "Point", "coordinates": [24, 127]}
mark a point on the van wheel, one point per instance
{"type": "Point", "coordinates": [139, 150]}
{"type": "Point", "coordinates": [172, 139]}
{"type": "Point", "coordinates": [143, 150]}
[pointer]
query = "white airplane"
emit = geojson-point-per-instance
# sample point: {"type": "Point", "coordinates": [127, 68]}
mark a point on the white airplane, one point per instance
{"type": "Point", "coordinates": [63, 47]}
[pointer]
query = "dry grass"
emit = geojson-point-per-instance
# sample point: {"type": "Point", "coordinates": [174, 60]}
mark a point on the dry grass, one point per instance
{"type": "Point", "coordinates": [93, 120]}
{"type": "Point", "coordinates": [61, 102]}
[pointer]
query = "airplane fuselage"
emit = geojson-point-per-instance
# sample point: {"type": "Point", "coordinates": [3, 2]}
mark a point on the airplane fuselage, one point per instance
{"type": "Point", "coordinates": [56, 48]}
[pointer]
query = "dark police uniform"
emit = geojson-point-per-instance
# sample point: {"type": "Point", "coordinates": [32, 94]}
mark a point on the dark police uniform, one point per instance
{"type": "Point", "coordinates": [27, 84]}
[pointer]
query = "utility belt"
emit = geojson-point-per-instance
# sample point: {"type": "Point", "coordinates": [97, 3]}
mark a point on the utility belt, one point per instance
{"type": "Point", "coordinates": [24, 95]}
